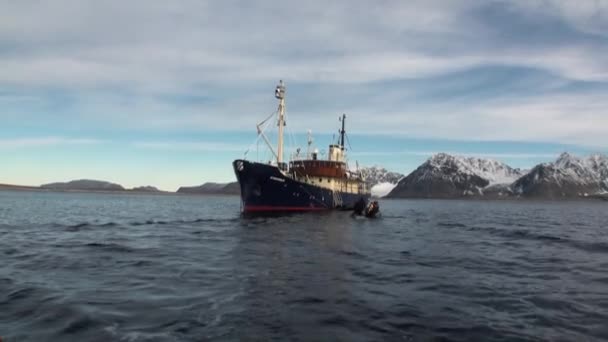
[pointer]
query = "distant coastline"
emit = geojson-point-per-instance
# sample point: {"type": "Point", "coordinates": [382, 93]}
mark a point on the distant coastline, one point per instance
{"type": "Point", "coordinates": [142, 190]}
{"type": "Point", "coordinates": [19, 187]}
{"type": "Point", "coordinates": [25, 188]}
{"type": "Point", "coordinates": [442, 176]}
{"type": "Point", "coordinates": [11, 187]}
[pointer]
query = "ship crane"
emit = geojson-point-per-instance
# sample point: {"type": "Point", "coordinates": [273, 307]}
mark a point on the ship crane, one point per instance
{"type": "Point", "coordinates": [279, 93]}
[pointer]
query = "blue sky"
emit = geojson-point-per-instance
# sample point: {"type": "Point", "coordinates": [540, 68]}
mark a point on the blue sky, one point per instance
{"type": "Point", "coordinates": [168, 93]}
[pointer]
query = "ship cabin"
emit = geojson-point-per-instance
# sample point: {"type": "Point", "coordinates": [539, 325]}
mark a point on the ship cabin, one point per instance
{"type": "Point", "coordinates": [333, 167]}
{"type": "Point", "coordinates": [318, 168]}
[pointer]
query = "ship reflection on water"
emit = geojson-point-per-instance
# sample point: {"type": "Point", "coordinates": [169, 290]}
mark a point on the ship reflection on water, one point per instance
{"type": "Point", "coordinates": [288, 269]}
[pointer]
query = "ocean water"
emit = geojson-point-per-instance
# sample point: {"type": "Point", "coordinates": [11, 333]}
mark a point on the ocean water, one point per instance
{"type": "Point", "coordinates": [103, 267]}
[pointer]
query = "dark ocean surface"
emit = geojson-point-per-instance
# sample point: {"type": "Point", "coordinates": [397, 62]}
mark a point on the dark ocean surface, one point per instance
{"type": "Point", "coordinates": [103, 267]}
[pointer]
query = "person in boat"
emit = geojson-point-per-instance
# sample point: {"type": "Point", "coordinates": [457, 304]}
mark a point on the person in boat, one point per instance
{"type": "Point", "coordinates": [372, 209]}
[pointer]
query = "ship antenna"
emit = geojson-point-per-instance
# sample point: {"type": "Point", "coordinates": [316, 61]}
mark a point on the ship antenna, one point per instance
{"type": "Point", "coordinates": [279, 93]}
{"type": "Point", "coordinates": [342, 132]}
{"type": "Point", "coordinates": [309, 143]}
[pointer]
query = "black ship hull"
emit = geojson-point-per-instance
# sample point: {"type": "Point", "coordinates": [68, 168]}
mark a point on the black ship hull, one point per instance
{"type": "Point", "coordinates": [265, 189]}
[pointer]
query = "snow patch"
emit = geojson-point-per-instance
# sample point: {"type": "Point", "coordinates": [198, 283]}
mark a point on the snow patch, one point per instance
{"type": "Point", "coordinates": [379, 180]}
{"type": "Point", "coordinates": [382, 189]}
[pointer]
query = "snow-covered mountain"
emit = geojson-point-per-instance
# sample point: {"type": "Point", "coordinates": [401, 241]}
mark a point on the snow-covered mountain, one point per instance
{"type": "Point", "coordinates": [448, 176]}
{"type": "Point", "coordinates": [380, 180]}
{"type": "Point", "coordinates": [568, 176]}
{"type": "Point", "coordinates": [493, 171]}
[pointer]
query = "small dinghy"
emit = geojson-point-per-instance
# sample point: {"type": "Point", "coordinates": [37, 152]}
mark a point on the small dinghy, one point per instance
{"type": "Point", "coordinates": [370, 209]}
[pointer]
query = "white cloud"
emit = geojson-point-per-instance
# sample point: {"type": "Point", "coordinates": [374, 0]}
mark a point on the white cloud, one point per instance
{"type": "Point", "coordinates": [209, 146]}
{"type": "Point", "coordinates": [138, 44]}
{"type": "Point", "coordinates": [230, 51]}
{"type": "Point", "coordinates": [45, 141]}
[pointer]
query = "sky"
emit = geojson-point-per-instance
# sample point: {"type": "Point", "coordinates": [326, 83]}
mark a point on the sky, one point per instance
{"type": "Point", "coordinates": [168, 93]}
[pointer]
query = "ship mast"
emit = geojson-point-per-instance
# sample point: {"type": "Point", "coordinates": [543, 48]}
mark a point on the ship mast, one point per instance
{"type": "Point", "coordinates": [309, 144]}
{"type": "Point", "coordinates": [279, 93]}
{"type": "Point", "coordinates": [342, 132]}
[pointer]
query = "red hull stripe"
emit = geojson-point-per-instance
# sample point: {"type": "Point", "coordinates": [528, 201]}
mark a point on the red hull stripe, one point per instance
{"type": "Point", "coordinates": [260, 208]}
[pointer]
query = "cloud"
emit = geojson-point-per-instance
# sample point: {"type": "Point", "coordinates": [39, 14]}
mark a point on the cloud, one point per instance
{"type": "Point", "coordinates": [139, 65]}
{"type": "Point", "coordinates": [587, 16]}
{"type": "Point", "coordinates": [138, 44]}
{"type": "Point", "coordinates": [208, 146]}
{"type": "Point", "coordinates": [498, 155]}
{"type": "Point", "coordinates": [45, 141]}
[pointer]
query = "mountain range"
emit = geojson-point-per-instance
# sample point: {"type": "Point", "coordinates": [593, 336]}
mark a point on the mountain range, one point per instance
{"type": "Point", "coordinates": [448, 176]}
{"type": "Point", "coordinates": [441, 176]}
{"type": "Point", "coordinates": [83, 185]}
{"type": "Point", "coordinates": [568, 176]}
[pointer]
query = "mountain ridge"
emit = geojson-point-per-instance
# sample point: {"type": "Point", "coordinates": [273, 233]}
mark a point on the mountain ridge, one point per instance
{"type": "Point", "coordinates": [568, 176]}
{"type": "Point", "coordinates": [447, 176]}
{"type": "Point", "coordinates": [379, 179]}
{"type": "Point", "coordinates": [83, 185]}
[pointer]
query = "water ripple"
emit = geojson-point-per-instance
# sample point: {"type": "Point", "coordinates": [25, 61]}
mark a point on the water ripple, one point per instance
{"type": "Point", "coordinates": [90, 267]}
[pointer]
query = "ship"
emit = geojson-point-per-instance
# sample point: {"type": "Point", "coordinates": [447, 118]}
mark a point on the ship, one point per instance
{"type": "Point", "coordinates": [304, 183]}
